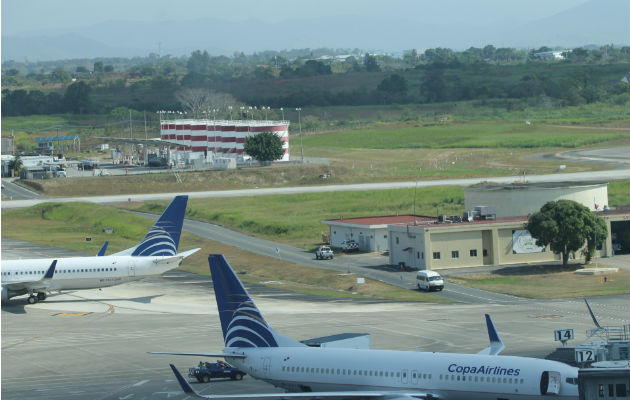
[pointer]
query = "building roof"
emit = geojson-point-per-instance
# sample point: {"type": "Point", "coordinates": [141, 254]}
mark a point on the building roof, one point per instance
{"type": "Point", "coordinates": [55, 138]}
{"type": "Point", "coordinates": [379, 220]}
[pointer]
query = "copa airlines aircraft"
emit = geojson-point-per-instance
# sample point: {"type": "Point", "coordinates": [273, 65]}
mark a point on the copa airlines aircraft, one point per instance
{"type": "Point", "coordinates": [253, 346]}
{"type": "Point", "coordinates": [155, 254]}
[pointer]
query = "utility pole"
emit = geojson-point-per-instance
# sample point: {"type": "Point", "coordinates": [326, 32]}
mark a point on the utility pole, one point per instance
{"type": "Point", "coordinates": [300, 125]}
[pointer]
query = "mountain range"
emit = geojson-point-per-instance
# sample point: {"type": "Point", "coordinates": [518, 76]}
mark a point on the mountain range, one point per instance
{"type": "Point", "coordinates": [595, 22]}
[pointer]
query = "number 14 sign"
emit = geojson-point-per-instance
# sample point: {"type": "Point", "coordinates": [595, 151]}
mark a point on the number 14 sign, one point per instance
{"type": "Point", "coordinates": [562, 335]}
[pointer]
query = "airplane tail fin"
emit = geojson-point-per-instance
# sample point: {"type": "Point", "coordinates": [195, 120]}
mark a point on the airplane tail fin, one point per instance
{"type": "Point", "coordinates": [103, 249]}
{"type": "Point", "coordinates": [163, 237]}
{"type": "Point", "coordinates": [496, 344]}
{"type": "Point", "coordinates": [242, 322]}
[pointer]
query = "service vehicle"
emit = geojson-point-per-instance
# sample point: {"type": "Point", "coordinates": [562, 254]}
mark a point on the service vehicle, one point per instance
{"type": "Point", "coordinates": [324, 253]}
{"type": "Point", "coordinates": [429, 280]}
{"type": "Point", "coordinates": [220, 369]}
{"type": "Point", "coordinates": [349, 245]}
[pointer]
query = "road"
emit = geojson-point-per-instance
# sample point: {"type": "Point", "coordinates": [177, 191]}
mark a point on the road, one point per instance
{"type": "Point", "coordinates": [559, 177]}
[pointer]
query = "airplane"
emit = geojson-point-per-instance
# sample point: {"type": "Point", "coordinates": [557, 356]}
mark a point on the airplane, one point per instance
{"type": "Point", "coordinates": [155, 254]}
{"type": "Point", "coordinates": [253, 346]}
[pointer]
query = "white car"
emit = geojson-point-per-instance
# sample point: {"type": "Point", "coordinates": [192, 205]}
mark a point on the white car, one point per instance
{"type": "Point", "coordinates": [429, 280]}
{"type": "Point", "coordinates": [323, 253]}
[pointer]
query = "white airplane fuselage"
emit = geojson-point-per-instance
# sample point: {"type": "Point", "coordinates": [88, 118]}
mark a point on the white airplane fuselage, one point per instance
{"type": "Point", "coordinates": [444, 375]}
{"type": "Point", "coordinates": [87, 272]}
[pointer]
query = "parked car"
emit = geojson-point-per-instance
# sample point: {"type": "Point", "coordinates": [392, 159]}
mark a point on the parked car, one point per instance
{"type": "Point", "coordinates": [349, 245]}
{"type": "Point", "coordinates": [323, 253]}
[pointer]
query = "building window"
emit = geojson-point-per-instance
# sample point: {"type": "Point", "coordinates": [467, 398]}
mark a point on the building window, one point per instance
{"type": "Point", "coordinates": [417, 254]}
{"type": "Point", "coordinates": [621, 390]}
{"type": "Point", "coordinates": [397, 241]}
{"type": "Point", "coordinates": [436, 255]}
{"type": "Point", "coordinates": [473, 252]}
{"type": "Point", "coordinates": [611, 390]}
{"type": "Point", "coordinates": [423, 255]}
{"type": "Point", "coordinates": [455, 254]}
{"type": "Point", "coordinates": [485, 252]}
{"type": "Point", "coordinates": [601, 390]}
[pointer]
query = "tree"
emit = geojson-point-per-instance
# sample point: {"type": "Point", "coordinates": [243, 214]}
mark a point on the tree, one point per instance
{"type": "Point", "coordinates": [370, 63]}
{"type": "Point", "coordinates": [201, 102]}
{"type": "Point", "coordinates": [565, 226]}
{"type": "Point", "coordinates": [15, 165]}
{"type": "Point", "coordinates": [264, 147]}
{"type": "Point", "coordinates": [77, 98]}
{"type": "Point", "coordinates": [393, 85]}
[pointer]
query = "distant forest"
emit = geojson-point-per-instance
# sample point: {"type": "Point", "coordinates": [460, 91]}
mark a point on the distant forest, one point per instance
{"type": "Point", "coordinates": [321, 77]}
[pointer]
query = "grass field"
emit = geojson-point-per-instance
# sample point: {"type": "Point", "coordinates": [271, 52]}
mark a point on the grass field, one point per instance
{"type": "Point", "coordinates": [547, 282]}
{"type": "Point", "coordinates": [67, 225]}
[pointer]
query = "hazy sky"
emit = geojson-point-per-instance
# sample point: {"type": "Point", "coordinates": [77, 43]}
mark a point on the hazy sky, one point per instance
{"type": "Point", "coordinates": [27, 15]}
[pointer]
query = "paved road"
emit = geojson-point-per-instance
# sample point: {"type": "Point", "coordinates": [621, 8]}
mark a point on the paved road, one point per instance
{"type": "Point", "coordinates": [564, 177]}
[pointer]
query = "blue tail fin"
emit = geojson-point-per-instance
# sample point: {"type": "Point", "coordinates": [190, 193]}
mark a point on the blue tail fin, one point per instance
{"type": "Point", "coordinates": [163, 238]}
{"type": "Point", "coordinates": [242, 323]}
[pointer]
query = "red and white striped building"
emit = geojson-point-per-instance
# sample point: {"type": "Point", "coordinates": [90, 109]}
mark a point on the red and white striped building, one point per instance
{"type": "Point", "coordinates": [196, 138]}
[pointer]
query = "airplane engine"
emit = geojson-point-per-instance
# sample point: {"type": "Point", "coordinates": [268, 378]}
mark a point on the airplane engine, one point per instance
{"type": "Point", "coordinates": [7, 294]}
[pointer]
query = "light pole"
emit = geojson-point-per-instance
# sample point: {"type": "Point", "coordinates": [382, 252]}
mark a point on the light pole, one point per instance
{"type": "Point", "coordinates": [230, 108]}
{"type": "Point", "coordinates": [299, 109]}
{"type": "Point", "coordinates": [282, 109]}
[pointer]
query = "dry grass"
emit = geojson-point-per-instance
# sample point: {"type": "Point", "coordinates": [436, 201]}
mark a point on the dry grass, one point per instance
{"type": "Point", "coordinates": [547, 282]}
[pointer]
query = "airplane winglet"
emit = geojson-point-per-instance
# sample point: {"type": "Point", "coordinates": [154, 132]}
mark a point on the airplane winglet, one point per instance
{"type": "Point", "coordinates": [51, 271]}
{"type": "Point", "coordinates": [496, 344]}
{"type": "Point", "coordinates": [184, 383]}
{"type": "Point", "coordinates": [101, 252]}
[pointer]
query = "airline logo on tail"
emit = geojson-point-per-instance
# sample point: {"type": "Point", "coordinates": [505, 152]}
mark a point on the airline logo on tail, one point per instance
{"type": "Point", "coordinates": [163, 238]}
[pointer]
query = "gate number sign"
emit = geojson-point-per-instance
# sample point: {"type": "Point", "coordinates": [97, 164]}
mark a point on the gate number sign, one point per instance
{"type": "Point", "coordinates": [584, 355]}
{"type": "Point", "coordinates": [562, 335]}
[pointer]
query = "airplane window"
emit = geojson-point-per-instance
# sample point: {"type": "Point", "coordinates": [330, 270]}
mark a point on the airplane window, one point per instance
{"type": "Point", "coordinates": [302, 370]}
{"type": "Point", "coordinates": [458, 377]}
{"type": "Point", "coordinates": [397, 374]}
{"type": "Point", "coordinates": [283, 367]}
{"type": "Point", "coordinates": [522, 381]}
{"type": "Point", "coordinates": [380, 373]}
{"type": "Point", "coordinates": [327, 371]}
{"type": "Point", "coordinates": [464, 378]}
{"type": "Point", "coordinates": [338, 373]}
{"type": "Point", "coordinates": [292, 369]}
{"type": "Point", "coordinates": [504, 380]}
{"type": "Point", "coordinates": [476, 379]}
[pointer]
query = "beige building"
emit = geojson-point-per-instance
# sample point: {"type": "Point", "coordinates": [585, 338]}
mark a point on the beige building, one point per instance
{"type": "Point", "coordinates": [431, 245]}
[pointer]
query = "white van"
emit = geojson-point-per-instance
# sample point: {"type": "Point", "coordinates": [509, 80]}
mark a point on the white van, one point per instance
{"type": "Point", "coordinates": [429, 280]}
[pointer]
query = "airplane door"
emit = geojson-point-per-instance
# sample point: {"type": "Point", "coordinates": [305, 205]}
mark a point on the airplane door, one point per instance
{"type": "Point", "coordinates": [414, 377]}
{"type": "Point", "coordinates": [132, 269]}
{"type": "Point", "coordinates": [266, 366]}
{"type": "Point", "coordinates": [403, 376]}
{"type": "Point", "coordinates": [550, 382]}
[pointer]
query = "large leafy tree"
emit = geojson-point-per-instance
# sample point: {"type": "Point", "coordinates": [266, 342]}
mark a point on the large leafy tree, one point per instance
{"type": "Point", "coordinates": [566, 226]}
{"type": "Point", "coordinates": [264, 147]}
{"type": "Point", "coordinates": [77, 98]}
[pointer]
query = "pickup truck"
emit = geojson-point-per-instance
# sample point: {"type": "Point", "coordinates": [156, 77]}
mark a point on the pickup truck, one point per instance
{"type": "Point", "coordinates": [349, 245]}
{"type": "Point", "coordinates": [324, 252]}
{"type": "Point", "coordinates": [220, 369]}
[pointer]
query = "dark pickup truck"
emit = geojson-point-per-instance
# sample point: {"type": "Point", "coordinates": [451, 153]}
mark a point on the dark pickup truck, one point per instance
{"type": "Point", "coordinates": [220, 369]}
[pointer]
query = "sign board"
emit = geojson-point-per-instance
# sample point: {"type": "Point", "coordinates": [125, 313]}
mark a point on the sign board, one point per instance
{"type": "Point", "coordinates": [585, 355]}
{"type": "Point", "coordinates": [562, 335]}
{"type": "Point", "coordinates": [523, 242]}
